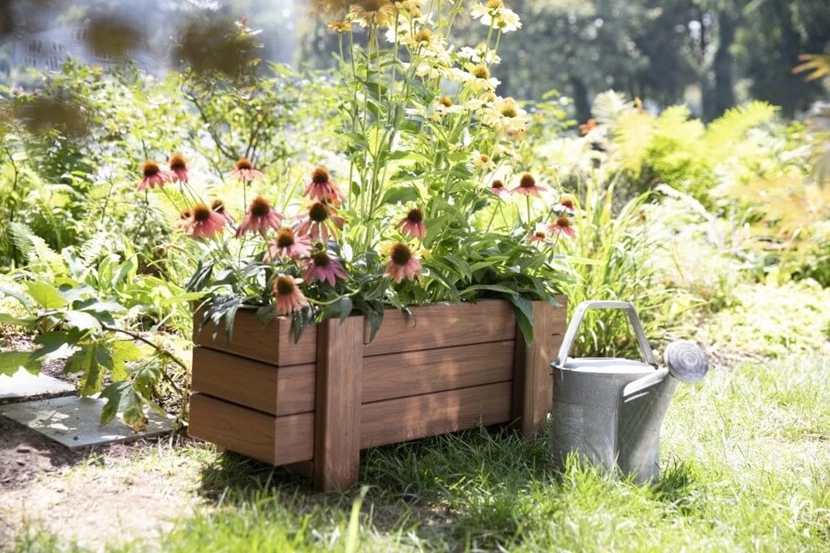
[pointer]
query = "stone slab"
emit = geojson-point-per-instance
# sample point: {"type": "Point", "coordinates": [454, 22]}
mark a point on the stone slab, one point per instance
{"type": "Point", "coordinates": [23, 384]}
{"type": "Point", "coordinates": [73, 421]}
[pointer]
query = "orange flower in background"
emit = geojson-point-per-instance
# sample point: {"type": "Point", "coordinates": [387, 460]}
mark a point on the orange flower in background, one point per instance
{"type": "Point", "coordinates": [588, 126]}
{"type": "Point", "coordinates": [245, 171]}
{"type": "Point", "coordinates": [323, 268]}
{"type": "Point", "coordinates": [528, 187]}
{"type": "Point", "coordinates": [413, 224]}
{"type": "Point", "coordinates": [203, 222]}
{"type": "Point", "coordinates": [288, 245]}
{"type": "Point", "coordinates": [178, 166]}
{"type": "Point", "coordinates": [322, 187]}
{"type": "Point", "coordinates": [153, 176]}
{"type": "Point", "coordinates": [561, 226]}
{"type": "Point", "coordinates": [403, 263]}
{"type": "Point", "coordinates": [380, 13]}
{"type": "Point", "coordinates": [260, 217]}
{"type": "Point", "coordinates": [287, 295]}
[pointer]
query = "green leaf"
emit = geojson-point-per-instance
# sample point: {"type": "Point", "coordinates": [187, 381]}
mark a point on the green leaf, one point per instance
{"type": "Point", "coordinates": [524, 315]}
{"type": "Point", "coordinates": [11, 361]}
{"type": "Point", "coordinates": [489, 287]}
{"type": "Point", "coordinates": [51, 342]}
{"type": "Point", "coordinates": [82, 320]}
{"type": "Point", "coordinates": [182, 298]}
{"type": "Point", "coordinates": [93, 359]}
{"type": "Point", "coordinates": [46, 295]}
{"type": "Point", "coordinates": [112, 394]}
{"type": "Point", "coordinates": [16, 295]}
{"type": "Point", "coordinates": [25, 322]}
{"type": "Point", "coordinates": [123, 352]}
{"type": "Point", "coordinates": [346, 306]}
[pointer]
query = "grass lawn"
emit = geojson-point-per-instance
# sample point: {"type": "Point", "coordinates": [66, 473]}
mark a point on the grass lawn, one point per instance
{"type": "Point", "coordinates": [747, 468]}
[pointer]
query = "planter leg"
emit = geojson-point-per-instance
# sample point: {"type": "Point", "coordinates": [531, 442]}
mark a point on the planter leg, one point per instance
{"type": "Point", "coordinates": [533, 380]}
{"type": "Point", "coordinates": [337, 404]}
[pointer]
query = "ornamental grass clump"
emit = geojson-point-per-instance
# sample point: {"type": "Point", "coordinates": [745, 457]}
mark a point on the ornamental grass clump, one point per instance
{"type": "Point", "coordinates": [431, 201]}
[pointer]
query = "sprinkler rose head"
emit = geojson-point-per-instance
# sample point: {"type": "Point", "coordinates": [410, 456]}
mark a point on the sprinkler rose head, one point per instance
{"type": "Point", "coordinates": [686, 361]}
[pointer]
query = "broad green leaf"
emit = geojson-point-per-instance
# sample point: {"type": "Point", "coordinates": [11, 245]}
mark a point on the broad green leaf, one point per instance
{"type": "Point", "coordinates": [524, 315]}
{"type": "Point", "coordinates": [16, 295]}
{"type": "Point", "coordinates": [46, 295]}
{"type": "Point", "coordinates": [112, 394]}
{"type": "Point", "coordinates": [182, 298]}
{"type": "Point", "coordinates": [490, 287]}
{"type": "Point", "coordinates": [81, 320]}
{"type": "Point", "coordinates": [50, 342]}
{"type": "Point", "coordinates": [93, 359]}
{"type": "Point", "coordinates": [26, 322]}
{"type": "Point", "coordinates": [123, 352]}
{"type": "Point", "coordinates": [11, 361]}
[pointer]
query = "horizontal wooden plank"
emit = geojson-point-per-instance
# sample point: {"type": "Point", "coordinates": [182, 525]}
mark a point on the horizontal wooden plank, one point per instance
{"type": "Point", "coordinates": [442, 325]}
{"type": "Point", "coordinates": [272, 343]}
{"type": "Point", "coordinates": [276, 390]}
{"type": "Point", "coordinates": [398, 420]}
{"type": "Point", "coordinates": [421, 372]}
{"type": "Point", "coordinates": [275, 440]}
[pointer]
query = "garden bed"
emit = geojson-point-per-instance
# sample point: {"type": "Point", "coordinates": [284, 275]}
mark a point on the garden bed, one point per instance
{"type": "Point", "coordinates": [316, 403]}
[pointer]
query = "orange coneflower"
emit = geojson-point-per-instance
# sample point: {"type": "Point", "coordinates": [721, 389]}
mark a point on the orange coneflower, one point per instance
{"type": "Point", "coordinates": [245, 171]}
{"type": "Point", "coordinates": [323, 268]}
{"type": "Point", "coordinates": [413, 224]}
{"type": "Point", "coordinates": [562, 225]}
{"type": "Point", "coordinates": [288, 245]}
{"type": "Point", "coordinates": [219, 207]}
{"type": "Point", "coordinates": [260, 217]}
{"type": "Point", "coordinates": [287, 295]}
{"type": "Point", "coordinates": [204, 222]}
{"type": "Point", "coordinates": [528, 187]}
{"type": "Point", "coordinates": [319, 222]}
{"type": "Point", "coordinates": [178, 166]}
{"type": "Point", "coordinates": [588, 126]}
{"type": "Point", "coordinates": [322, 187]}
{"type": "Point", "coordinates": [152, 175]}
{"type": "Point", "coordinates": [403, 264]}
{"type": "Point", "coordinates": [538, 235]}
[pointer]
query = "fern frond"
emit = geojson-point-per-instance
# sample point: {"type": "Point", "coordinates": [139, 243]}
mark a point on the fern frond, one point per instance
{"type": "Point", "coordinates": [633, 135]}
{"type": "Point", "coordinates": [609, 106]}
{"type": "Point", "coordinates": [817, 66]}
{"type": "Point", "coordinates": [733, 125]}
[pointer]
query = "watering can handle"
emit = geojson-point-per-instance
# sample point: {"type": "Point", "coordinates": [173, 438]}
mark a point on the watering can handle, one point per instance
{"type": "Point", "coordinates": [570, 335]}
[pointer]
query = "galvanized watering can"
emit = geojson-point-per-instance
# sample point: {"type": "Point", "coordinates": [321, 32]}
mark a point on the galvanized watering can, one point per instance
{"type": "Point", "coordinates": [608, 410]}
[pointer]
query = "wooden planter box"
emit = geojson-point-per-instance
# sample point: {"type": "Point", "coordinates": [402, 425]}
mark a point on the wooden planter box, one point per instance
{"type": "Point", "coordinates": [315, 404]}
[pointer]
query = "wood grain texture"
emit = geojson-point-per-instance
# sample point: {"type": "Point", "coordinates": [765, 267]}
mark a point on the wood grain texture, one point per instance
{"type": "Point", "coordinates": [398, 420]}
{"type": "Point", "coordinates": [272, 343]}
{"type": "Point", "coordinates": [434, 370]}
{"type": "Point", "coordinates": [275, 390]}
{"type": "Point", "coordinates": [533, 380]}
{"type": "Point", "coordinates": [337, 430]}
{"type": "Point", "coordinates": [275, 440]}
{"type": "Point", "coordinates": [442, 325]}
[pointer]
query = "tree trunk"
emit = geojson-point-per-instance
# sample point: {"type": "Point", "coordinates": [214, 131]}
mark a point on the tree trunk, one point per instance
{"type": "Point", "coordinates": [722, 93]}
{"type": "Point", "coordinates": [582, 105]}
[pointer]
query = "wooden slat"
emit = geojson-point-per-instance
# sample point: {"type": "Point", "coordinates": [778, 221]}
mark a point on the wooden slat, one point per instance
{"type": "Point", "coordinates": [422, 372]}
{"type": "Point", "coordinates": [533, 381]}
{"type": "Point", "coordinates": [272, 343]}
{"type": "Point", "coordinates": [275, 440]}
{"type": "Point", "coordinates": [278, 391]}
{"type": "Point", "coordinates": [397, 420]}
{"type": "Point", "coordinates": [337, 432]}
{"type": "Point", "coordinates": [442, 325]}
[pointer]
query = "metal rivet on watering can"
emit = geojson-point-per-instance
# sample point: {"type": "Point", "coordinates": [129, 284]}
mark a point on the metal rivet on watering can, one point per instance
{"type": "Point", "coordinates": [609, 410]}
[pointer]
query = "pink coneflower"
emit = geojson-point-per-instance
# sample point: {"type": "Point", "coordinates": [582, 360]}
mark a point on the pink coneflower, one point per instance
{"type": "Point", "coordinates": [413, 224]}
{"type": "Point", "coordinates": [288, 245]}
{"type": "Point", "coordinates": [562, 225]}
{"type": "Point", "coordinates": [245, 171]}
{"type": "Point", "coordinates": [538, 235]}
{"type": "Point", "coordinates": [403, 264]}
{"type": "Point", "coordinates": [287, 295]}
{"type": "Point", "coordinates": [219, 207]}
{"type": "Point", "coordinates": [153, 175]}
{"type": "Point", "coordinates": [323, 188]}
{"type": "Point", "coordinates": [567, 203]}
{"type": "Point", "coordinates": [203, 221]}
{"type": "Point", "coordinates": [497, 188]}
{"type": "Point", "coordinates": [320, 222]}
{"type": "Point", "coordinates": [528, 187]}
{"type": "Point", "coordinates": [178, 166]}
{"type": "Point", "coordinates": [324, 268]}
{"type": "Point", "coordinates": [260, 217]}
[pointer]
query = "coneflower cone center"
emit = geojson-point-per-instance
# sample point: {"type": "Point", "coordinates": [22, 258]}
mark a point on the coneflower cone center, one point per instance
{"type": "Point", "coordinates": [260, 207]}
{"type": "Point", "coordinates": [563, 222]}
{"type": "Point", "coordinates": [446, 101]}
{"type": "Point", "coordinates": [244, 164]}
{"type": "Point", "coordinates": [320, 176]}
{"type": "Point", "coordinates": [285, 286]}
{"type": "Point", "coordinates": [318, 212]}
{"type": "Point", "coordinates": [185, 214]}
{"type": "Point", "coordinates": [218, 206]}
{"type": "Point", "coordinates": [494, 4]}
{"type": "Point", "coordinates": [509, 111]}
{"type": "Point", "coordinates": [424, 35]}
{"type": "Point", "coordinates": [540, 234]}
{"type": "Point", "coordinates": [321, 259]}
{"type": "Point", "coordinates": [177, 161]}
{"type": "Point", "coordinates": [285, 238]}
{"type": "Point", "coordinates": [150, 169]}
{"type": "Point", "coordinates": [415, 216]}
{"type": "Point", "coordinates": [481, 72]}
{"type": "Point", "coordinates": [527, 181]}
{"type": "Point", "coordinates": [201, 213]}
{"type": "Point", "coordinates": [401, 255]}
{"type": "Point", "coordinates": [498, 185]}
